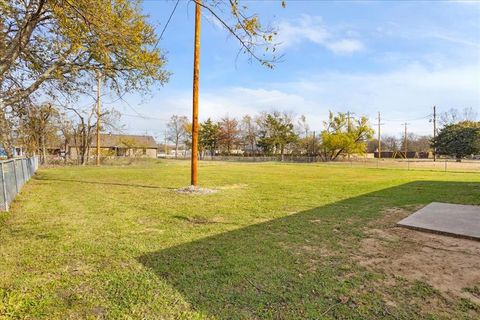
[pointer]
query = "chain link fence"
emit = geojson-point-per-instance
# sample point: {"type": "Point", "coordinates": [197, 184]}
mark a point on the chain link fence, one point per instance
{"type": "Point", "coordinates": [444, 164]}
{"type": "Point", "coordinates": [14, 174]}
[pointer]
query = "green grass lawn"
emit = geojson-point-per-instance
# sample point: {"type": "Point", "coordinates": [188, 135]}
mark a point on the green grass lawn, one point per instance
{"type": "Point", "coordinates": [277, 241]}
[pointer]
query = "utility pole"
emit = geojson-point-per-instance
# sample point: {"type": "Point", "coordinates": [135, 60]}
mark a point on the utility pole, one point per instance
{"type": "Point", "coordinates": [99, 83]}
{"type": "Point", "coordinates": [434, 131]}
{"type": "Point", "coordinates": [165, 145]}
{"type": "Point", "coordinates": [196, 75]}
{"type": "Point", "coordinates": [348, 121]}
{"type": "Point", "coordinates": [379, 138]}
{"type": "Point", "coordinates": [405, 140]}
{"type": "Point", "coordinates": [313, 144]}
{"type": "Point", "coordinates": [348, 131]}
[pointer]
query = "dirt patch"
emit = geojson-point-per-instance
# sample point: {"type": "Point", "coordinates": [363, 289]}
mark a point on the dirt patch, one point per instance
{"type": "Point", "coordinates": [191, 190]}
{"type": "Point", "coordinates": [198, 220]}
{"type": "Point", "coordinates": [448, 264]}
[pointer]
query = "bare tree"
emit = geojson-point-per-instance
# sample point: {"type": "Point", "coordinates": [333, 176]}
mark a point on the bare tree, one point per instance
{"type": "Point", "coordinates": [302, 126]}
{"type": "Point", "coordinates": [176, 130]}
{"type": "Point", "coordinates": [65, 128]}
{"type": "Point", "coordinates": [418, 143]}
{"type": "Point", "coordinates": [84, 125]}
{"type": "Point", "coordinates": [453, 116]}
{"type": "Point", "coordinates": [249, 132]}
{"type": "Point", "coordinates": [38, 128]}
{"type": "Point", "coordinates": [390, 143]}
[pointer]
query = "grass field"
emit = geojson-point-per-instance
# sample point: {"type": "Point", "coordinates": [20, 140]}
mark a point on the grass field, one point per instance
{"type": "Point", "coordinates": [277, 241]}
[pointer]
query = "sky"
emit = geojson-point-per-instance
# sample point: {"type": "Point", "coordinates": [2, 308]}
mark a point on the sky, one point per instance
{"type": "Point", "coordinates": [399, 58]}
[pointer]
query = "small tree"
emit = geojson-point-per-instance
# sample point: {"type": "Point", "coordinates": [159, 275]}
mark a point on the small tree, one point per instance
{"type": "Point", "coordinates": [176, 130]}
{"type": "Point", "coordinates": [340, 137]}
{"type": "Point", "coordinates": [208, 136]}
{"type": "Point", "coordinates": [249, 132]}
{"type": "Point", "coordinates": [458, 140]}
{"type": "Point", "coordinates": [228, 135]}
{"type": "Point", "coordinates": [276, 132]}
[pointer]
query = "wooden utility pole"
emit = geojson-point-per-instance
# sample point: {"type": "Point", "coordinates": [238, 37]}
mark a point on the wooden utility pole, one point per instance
{"type": "Point", "coordinates": [434, 131]}
{"type": "Point", "coordinates": [348, 130]}
{"type": "Point", "coordinates": [99, 83]}
{"type": "Point", "coordinates": [379, 138]}
{"type": "Point", "coordinates": [348, 121]}
{"type": "Point", "coordinates": [405, 141]}
{"type": "Point", "coordinates": [165, 146]}
{"type": "Point", "coordinates": [313, 144]}
{"type": "Point", "coordinates": [196, 75]}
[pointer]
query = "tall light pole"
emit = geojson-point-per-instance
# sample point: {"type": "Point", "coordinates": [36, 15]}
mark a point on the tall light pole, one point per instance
{"type": "Point", "coordinates": [196, 76]}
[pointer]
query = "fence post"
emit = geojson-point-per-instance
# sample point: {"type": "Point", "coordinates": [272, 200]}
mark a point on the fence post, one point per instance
{"type": "Point", "coordinates": [445, 165]}
{"type": "Point", "coordinates": [4, 187]}
{"type": "Point", "coordinates": [23, 170]}
{"type": "Point", "coordinates": [15, 174]}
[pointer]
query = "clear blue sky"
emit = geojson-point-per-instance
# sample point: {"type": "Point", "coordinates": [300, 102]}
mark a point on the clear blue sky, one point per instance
{"type": "Point", "coordinates": [400, 58]}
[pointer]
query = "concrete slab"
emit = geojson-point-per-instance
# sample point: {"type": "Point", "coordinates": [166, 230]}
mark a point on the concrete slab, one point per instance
{"type": "Point", "coordinates": [453, 219]}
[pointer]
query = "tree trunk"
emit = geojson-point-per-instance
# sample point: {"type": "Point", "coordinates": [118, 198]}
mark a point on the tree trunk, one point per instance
{"type": "Point", "coordinates": [65, 153]}
{"type": "Point", "coordinates": [44, 151]}
{"type": "Point", "coordinates": [176, 148]}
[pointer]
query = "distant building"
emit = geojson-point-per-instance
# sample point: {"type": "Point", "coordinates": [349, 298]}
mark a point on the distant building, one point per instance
{"type": "Point", "coordinates": [121, 145]}
{"type": "Point", "coordinates": [17, 152]}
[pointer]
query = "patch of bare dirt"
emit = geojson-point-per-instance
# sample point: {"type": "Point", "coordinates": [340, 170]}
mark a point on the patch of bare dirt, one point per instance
{"type": "Point", "coordinates": [191, 190]}
{"type": "Point", "coordinates": [448, 264]}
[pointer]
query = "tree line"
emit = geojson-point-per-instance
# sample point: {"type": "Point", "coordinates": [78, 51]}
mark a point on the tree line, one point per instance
{"type": "Point", "coordinates": [273, 133]}
{"type": "Point", "coordinates": [278, 133]}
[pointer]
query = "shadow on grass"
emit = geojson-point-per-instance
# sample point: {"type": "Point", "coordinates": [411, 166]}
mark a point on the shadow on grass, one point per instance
{"type": "Point", "coordinates": [105, 183]}
{"type": "Point", "coordinates": [298, 266]}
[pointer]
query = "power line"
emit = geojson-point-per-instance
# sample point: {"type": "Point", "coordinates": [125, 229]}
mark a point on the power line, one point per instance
{"type": "Point", "coordinates": [166, 24]}
{"type": "Point", "coordinates": [406, 120]}
{"type": "Point", "coordinates": [141, 116]}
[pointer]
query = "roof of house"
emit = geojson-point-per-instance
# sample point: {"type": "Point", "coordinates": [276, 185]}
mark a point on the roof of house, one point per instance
{"type": "Point", "coordinates": [110, 140]}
